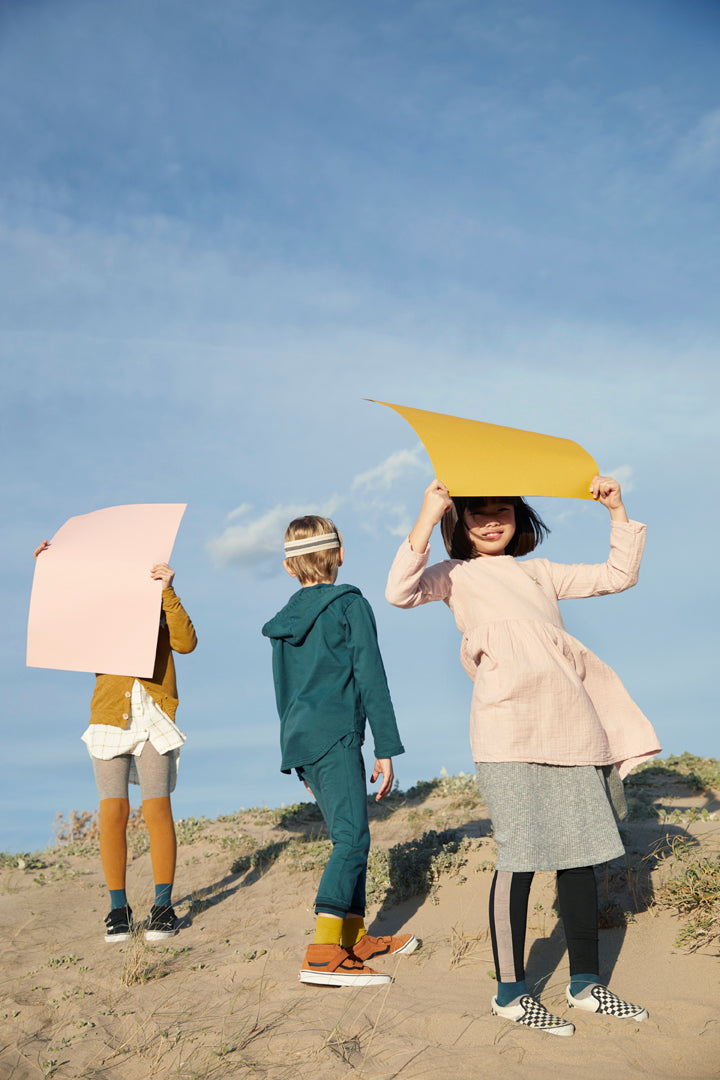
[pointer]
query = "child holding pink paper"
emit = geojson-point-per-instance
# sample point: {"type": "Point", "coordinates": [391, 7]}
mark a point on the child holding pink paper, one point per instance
{"type": "Point", "coordinates": [133, 738]}
{"type": "Point", "coordinates": [549, 721]}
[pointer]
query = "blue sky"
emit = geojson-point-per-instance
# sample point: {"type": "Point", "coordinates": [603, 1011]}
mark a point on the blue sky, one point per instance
{"type": "Point", "coordinates": [223, 226]}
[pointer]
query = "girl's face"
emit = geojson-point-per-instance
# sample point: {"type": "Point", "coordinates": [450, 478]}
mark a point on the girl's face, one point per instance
{"type": "Point", "coordinates": [491, 527]}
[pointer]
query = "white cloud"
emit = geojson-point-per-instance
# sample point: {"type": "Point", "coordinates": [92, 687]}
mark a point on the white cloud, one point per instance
{"type": "Point", "coordinates": [388, 471]}
{"type": "Point", "coordinates": [624, 475]}
{"type": "Point", "coordinates": [255, 541]}
{"type": "Point", "coordinates": [404, 525]}
{"type": "Point", "coordinates": [239, 511]}
{"type": "Point", "coordinates": [250, 540]}
{"type": "Point", "coordinates": [373, 495]}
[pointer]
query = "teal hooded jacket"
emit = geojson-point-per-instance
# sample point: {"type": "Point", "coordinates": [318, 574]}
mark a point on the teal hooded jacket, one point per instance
{"type": "Point", "coordinates": [329, 675]}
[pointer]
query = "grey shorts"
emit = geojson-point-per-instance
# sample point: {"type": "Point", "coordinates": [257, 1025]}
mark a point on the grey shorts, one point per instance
{"type": "Point", "coordinates": [157, 774]}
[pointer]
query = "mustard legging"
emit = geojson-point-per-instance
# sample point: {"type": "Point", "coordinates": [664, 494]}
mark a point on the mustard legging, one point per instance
{"type": "Point", "coordinates": [154, 772]}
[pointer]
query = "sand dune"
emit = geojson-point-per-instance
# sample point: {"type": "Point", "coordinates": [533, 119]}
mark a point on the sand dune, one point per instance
{"type": "Point", "coordinates": [221, 998]}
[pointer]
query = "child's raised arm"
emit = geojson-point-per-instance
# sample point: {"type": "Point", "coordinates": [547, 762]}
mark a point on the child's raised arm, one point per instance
{"type": "Point", "coordinates": [607, 491]}
{"type": "Point", "coordinates": [436, 503]}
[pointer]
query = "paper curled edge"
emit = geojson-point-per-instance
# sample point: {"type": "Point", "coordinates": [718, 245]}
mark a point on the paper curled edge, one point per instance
{"type": "Point", "coordinates": [472, 457]}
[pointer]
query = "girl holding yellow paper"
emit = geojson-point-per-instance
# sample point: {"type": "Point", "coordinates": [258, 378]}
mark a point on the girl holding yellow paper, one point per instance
{"type": "Point", "coordinates": [552, 728]}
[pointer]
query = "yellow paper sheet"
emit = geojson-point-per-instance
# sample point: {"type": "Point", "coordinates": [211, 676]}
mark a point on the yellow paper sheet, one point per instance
{"type": "Point", "coordinates": [475, 458]}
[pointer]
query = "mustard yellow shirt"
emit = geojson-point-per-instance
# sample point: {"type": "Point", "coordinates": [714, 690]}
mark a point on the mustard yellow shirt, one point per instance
{"type": "Point", "coordinates": [111, 701]}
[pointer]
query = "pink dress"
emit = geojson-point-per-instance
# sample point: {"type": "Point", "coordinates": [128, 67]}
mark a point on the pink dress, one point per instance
{"type": "Point", "coordinates": [539, 695]}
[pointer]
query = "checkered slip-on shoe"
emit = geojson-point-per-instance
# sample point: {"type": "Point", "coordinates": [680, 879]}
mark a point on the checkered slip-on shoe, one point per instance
{"type": "Point", "coordinates": [528, 1011]}
{"type": "Point", "coordinates": [598, 999]}
{"type": "Point", "coordinates": [331, 965]}
{"type": "Point", "coordinates": [369, 947]}
{"type": "Point", "coordinates": [119, 924]}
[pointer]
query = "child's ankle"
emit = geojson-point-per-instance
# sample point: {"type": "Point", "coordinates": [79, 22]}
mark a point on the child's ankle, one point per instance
{"type": "Point", "coordinates": [328, 930]}
{"type": "Point", "coordinates": [163, 894]}
{"type": "Point", "coordinates": [508, 991]}
{"type": "Point", "coordinates": [579, 982]}
{"type": "Point", "coordinates": [353, 929]}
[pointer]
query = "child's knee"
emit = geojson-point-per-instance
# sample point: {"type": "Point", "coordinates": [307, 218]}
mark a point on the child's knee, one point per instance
{"type": "Point", "coordinates": [352, 835]}
{"type": "Point", "coordinates": [158, 811]}
{"type": "Point", "coordinates": [114, 813]}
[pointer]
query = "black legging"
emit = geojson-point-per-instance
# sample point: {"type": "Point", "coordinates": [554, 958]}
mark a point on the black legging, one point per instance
{"type": "Point", "coordinates": [577, 895]}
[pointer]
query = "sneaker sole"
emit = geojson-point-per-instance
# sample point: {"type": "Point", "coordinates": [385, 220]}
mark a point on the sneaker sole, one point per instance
{"type": "Point", "coordinates": [408, 947]}
{"type": "Point", "coordinates": [334, 978]}
{"type": "Point", "coordinates": [159, 935]}
{"type": "Point", "coordinates": [118, 937]}
{"type": "Point", "coordinates": [563, 1032]}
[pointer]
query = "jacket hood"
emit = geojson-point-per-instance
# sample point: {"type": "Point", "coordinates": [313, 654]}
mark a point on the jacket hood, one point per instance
{"type": "Point", "coordinates": [298, 617]}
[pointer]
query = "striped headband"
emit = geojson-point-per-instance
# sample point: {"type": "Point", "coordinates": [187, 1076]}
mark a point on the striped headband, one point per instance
{"type": "Point", "coordinates": [310, 544]}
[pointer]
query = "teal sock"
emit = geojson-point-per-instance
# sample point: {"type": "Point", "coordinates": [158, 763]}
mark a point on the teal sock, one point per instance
{"type": "Point", "coordinates": [162, 895]}
{"type": "Point", "coordinates": [579, 982]}
{"type": "Point", "coordinates": [508, 991]}
{"type": "Point", "coordinates": [118, 899]}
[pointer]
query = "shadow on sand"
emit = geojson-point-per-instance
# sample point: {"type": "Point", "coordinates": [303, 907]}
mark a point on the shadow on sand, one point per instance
{"type": "Point", "coordinates": [408, 872]}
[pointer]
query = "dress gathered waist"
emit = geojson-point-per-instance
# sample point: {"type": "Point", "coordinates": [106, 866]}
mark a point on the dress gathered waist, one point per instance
{"type": "Point", "coordinates": [539, 694]}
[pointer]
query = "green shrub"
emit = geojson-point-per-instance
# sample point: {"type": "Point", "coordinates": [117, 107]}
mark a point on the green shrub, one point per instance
{"type": "Point", "coordinates": [415, 867]}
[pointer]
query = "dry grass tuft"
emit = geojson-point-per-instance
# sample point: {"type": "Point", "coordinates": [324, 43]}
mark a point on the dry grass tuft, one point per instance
{"type": "Point", "coordinates": [79, 833]}
{"type": "Point", "coordinates": [140, 963]}
{"type": "Point", "coordinates": [692, 888]}
{"type": "Point", "coordinates": [465, 948]}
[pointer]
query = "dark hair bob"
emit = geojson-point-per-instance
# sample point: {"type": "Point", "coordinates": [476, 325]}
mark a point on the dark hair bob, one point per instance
{"type": "Point", "coordinates": [530, 529]}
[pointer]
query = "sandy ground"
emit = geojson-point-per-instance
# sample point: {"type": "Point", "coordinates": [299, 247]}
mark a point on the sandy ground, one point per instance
{"type": "Point", "coordinates": [221, 998]}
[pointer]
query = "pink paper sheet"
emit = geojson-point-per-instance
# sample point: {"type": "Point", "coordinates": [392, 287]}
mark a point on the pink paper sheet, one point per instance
{"type": "Point", "coordinates": [94, 606]}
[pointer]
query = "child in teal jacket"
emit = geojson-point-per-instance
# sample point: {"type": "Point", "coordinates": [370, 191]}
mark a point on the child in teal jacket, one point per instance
{"type": "Point", "coordinates": [329, 678]}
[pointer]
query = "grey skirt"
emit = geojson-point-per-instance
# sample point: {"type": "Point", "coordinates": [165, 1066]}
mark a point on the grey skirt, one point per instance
{"type": "Point", "coordinates": [551, 817]}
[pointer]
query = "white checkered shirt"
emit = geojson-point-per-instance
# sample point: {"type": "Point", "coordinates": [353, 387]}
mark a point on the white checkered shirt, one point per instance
{"type": "Point", "coordinates": [147, 721]}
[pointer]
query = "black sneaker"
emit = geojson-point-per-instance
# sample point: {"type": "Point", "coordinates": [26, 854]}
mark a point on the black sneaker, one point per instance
{"type": "Point", "coordinates": [161, 924]}
{"type": "Point", "coordinates": [119, 924]}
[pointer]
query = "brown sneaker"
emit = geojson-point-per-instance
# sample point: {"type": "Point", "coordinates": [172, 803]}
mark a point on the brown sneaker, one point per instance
{"type": "Point", "coordinates": [331, 965]}
{"type": "Point", "coordinates": [368, 947]}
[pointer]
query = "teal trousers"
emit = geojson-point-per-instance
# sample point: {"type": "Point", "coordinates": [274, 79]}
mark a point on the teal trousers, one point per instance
{"type": "Point", "coordinates": [337, 780]}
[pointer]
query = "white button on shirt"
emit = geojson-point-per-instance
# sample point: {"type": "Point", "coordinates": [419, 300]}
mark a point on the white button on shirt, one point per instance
{"type": "Point", "coordinates": [147, 722]}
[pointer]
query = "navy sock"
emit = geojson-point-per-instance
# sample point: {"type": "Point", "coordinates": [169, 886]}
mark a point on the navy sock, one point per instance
{"type": "Point", "coordinates": [118, 899]}
{"type": "Point", "coordinates": [508, 991]}
{"type": "Point", "coordinates": [163, 894]}
{"type": "Point", "coordinates": [579, 982]}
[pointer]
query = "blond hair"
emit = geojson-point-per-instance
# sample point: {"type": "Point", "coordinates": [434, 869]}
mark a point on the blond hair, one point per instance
{"type": "Point", "coordinates": [316, 567]}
